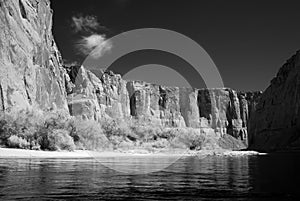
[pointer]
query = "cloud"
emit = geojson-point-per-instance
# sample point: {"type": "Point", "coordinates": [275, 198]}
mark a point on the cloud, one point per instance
{"type": "Point", "coordinates": [86, 24]}
{"type": "Point", "coordinates": [92, 40]}
{"type": "Point", "coordinates": [94, 45]}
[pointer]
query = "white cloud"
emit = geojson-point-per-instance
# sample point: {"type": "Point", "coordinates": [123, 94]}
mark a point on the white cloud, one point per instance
{"type": "Point", "coordinates": [86, 24]}
{"type": "Point", "coordinates": [93, 42]}
{"type": "Point", "coordinates": [94, 45]}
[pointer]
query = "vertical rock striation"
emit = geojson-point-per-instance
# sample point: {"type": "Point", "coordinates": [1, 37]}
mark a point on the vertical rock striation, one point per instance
{"type": "Point", "coordinates": [101, 94]}
{"type": "Point", "coordinates": [31, 74]}
{"type": "Point", "coordinates": [96, 95]}
{"type": "Point", "coordinates": [275, 124]}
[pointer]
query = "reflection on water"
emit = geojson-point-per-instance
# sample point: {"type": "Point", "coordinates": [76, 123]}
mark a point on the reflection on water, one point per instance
{"type": "Point", "coordinates": [138, 164]}
{"type": "Point", "coordinates": [270, 177]}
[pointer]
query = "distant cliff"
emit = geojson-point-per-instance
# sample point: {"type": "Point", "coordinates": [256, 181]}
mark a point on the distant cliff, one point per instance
{"type": "Point", "coordinates": [275, 125]}
{"type": "Point", "coordinates": [107, 94]}
{"type": "Point", "coordinates": [31, 72]}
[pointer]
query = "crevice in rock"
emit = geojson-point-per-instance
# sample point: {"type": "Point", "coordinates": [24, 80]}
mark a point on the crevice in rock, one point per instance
{"type": "Point", "coordinates": [204, 104]}
{"type": "Point", "coordinates": [132, 103]}
{"type": "Point", "coordinates": [10, 12]}
{"type": "Point", "coordinates": [229, 119]}
{"type": "Point", "coordinates": [72, 72]}
{"type": "Point", "coordinates": [243, 110]}
{"type": "Point", "coordinates": [162, 102]}
{"type": "Point", "coordinates": [22, 10]}
{"type": "Point", "coordinates": [26, 90]}
{"type": "Point", "coordinates": [132, 99]}
{"type": "Point", "coordinates": [183, 103]}
{"type": "Point", "coordinates": [9, 92]}
{"type": "Point", "coordinates": [233, 112]}
{"type": "Point", "coordinates": [2, 98]}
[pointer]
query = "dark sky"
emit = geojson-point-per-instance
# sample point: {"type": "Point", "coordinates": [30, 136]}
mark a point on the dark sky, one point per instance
{"type": "Point", "coordinates": [247, 40]}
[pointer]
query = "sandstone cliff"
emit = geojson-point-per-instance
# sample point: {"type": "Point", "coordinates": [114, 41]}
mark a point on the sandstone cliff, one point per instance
{"type": "Point", "coordinates": [275, 124]}
{"type": "Point", "coordinates": [100, 94]}
{"type": "Point", "coordinates": [31, 74]}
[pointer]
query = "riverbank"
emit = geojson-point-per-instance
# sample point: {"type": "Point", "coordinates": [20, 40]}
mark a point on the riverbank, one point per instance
{"type": "Point", "coordinates": [22, 153]}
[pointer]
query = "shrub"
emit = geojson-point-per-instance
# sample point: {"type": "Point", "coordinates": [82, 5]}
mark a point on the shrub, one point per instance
{"type": "Point", "coordinates": [117, 131]}
{"type": "Point", "coordinates": [139, 131]}
{"type": "Point", "coordinates": [115, 128]}
{"type": "Point", "coordinates": [24, 124]}
{"type": "Point", "coordinates": [57, 120]}
{"type": "Point", "coordinates": [146, 133]}
{"type": "Point", "coordinates": [170, 133]}
{"type": "Point", "coordinates": [190, 137]}
{"type": "Point", "coordinates": [57, 139]}
{"type": "Point", "coordinates": [126, 145]}
{"type": "Point", "coordinates": [60, 139]}
{"type": "Point", "coordinates": [17, 142]}
{"type": "Point", "coordinates": [57, 131]}
{"type": "Point", "coordinates": [109, 127]}
{"type": "Point", "coordinates": [89, 135]}
{"type": "Point", "coordinates": [35, 127]}
{"type": "Point", "coordinates": [161, 144]}
{"type": "Point", "coordinates": [156, 145]}
{"type": "Point", "coordinates": [5, 129]}
{"type": "Point", "coordinates": [177, 143]}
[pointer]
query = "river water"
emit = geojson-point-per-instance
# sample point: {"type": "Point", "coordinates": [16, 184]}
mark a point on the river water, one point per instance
{"type": "Point", "coordinates": [263, 177]}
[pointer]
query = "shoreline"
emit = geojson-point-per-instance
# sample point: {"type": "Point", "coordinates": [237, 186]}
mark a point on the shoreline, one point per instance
{"type": "Point", "coordinates": [84, 154]}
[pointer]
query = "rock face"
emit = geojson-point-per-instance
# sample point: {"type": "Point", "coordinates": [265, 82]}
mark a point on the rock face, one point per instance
{"type": "Point", "coordinates": [101, 94]}
{"type": "Point", "coordinates": [275, 125]}
{"type": "Point", "coordinates": [31, 74]}
{"type": "Point", "coordinates": [93, 97]}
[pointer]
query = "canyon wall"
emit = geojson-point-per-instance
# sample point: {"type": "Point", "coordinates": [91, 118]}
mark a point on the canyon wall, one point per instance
{"type": "Point", "coordinates": [31, 74]}
{"type": "Point", "coordinates": [275, 125]}
{"type": "Point", "coordinates": [105, 94]}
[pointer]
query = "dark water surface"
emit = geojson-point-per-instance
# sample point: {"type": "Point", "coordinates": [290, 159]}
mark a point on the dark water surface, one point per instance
{"type": "Point", "coordinates": [265, 177]}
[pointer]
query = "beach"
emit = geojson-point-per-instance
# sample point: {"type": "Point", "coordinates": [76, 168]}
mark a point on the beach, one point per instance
{"type": "Point", "coordinates": [22, 153]}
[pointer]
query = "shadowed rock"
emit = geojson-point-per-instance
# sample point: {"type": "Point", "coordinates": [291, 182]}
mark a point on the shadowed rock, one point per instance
{"type": "Point", "coordinates": [275, 124]}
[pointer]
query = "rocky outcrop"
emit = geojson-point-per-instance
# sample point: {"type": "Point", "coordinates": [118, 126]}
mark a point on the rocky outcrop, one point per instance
{"type": "Point", "coordinates": [275, 124]}
{"type": "Point", "coordinates": [31, 74]}
{"type": "Point", "coordinates": [97, 95]}
{"type": "Point", "coordinates": [158, 104]}
{"type": "Point", "coordinates": [106, 94]}
{"type": "Point", "coordinates": [226, 111]}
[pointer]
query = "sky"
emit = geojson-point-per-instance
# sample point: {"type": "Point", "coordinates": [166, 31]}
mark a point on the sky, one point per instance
{"type": "Point", "coordinates": [247, 40]}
